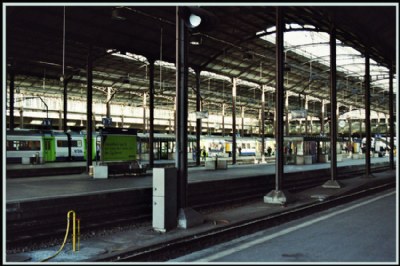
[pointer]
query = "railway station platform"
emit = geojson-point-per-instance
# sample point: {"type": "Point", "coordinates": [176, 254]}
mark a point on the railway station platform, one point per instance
{"type": "Point", "coordinates": [43, 187]}
{"type": "Point", "coordinates": [143, 239]}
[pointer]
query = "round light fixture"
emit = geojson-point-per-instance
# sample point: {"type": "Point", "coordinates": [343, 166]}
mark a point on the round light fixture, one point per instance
{"type": "Point", "coordinates": [194, 20]}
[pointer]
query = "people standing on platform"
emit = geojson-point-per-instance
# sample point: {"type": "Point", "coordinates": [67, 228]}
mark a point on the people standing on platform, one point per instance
{"type": "Point", "coordinates": [269, 150]}
{"type": "Point", "coordinates": [203, 153]}
{"type": "Point", "coordinates": [98, 152]}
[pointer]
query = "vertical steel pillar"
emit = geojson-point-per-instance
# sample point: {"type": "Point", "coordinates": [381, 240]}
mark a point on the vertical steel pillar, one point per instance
{"type": "Point", "coordinates": [65, 112]}
{"type": "Point", "coordinates": [181, 109]}
{"type": "Point", "coordinates": [187, 217]}
{"type": "Point", "coordinates": [322, 117]}
{"type": "Point", "coordinates": [350, 125]}
{"type": "Point", "coordinates": [234, 121]}
{"type": "Point", "coordinates": [242, 116]}
{"type": "Point", "coordinates": [277, 196]}
{"type": "Point", "coordinates": [263, 123]}
{"type": "Point", "coordinates": [367, 102]}
{"type": "Point", "coordinates": [391, 117]}
{"type": "Point", "coordinates": [279, 133]}
{"type": "Point", "coordinates": [89, 100]}
{"type": "Point", "coordinates": [306, 109]}
{"type": "Point", "coordinates": [287, 113]}
{"type": "Point", "coordinates": [151, 109]}
{"type": "Point", "coordinates": [144, 112]}
{"type": "Point", "coordinates": [21, 117]}
{"type": "Point", "coordinates": [12, 100]}
{"type": "Point", "coordinates": [198, 120]}
{"type": "Point", "coordinates": [223, 119]}
{"type": "Point", "coordinates": [333, 183]}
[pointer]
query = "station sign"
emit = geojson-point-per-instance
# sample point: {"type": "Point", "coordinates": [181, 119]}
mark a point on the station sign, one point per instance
{"type": "Point", "coordinates": [201, 114]}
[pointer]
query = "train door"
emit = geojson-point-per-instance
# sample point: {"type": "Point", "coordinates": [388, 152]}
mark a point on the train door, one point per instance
{"type": "Point", "coordinates": [164, 150]}
{"type": "Point", "coordinates": [49, 149]}
{"type": "Point", "coordinates": [95, 145]}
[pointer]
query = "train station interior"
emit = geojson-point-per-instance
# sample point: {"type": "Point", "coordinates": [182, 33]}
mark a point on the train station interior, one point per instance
{"type": "Point", "coordinates": [196, 87]}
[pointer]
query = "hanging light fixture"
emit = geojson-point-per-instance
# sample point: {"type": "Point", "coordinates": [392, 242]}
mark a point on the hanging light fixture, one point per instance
{"type": "Point", "coordinates": [198, 19]}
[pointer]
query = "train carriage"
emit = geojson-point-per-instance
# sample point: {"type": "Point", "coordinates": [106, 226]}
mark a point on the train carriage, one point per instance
{"type": "Point", "coordinates": [24, 145]}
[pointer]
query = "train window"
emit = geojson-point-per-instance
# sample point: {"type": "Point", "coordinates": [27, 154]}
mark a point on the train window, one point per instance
{"type": "Point", "coordinates": [23, 145]}
{"type": "Point", "coordinates": [60, 143]}
{"type": "Point", "coordinates": [64, 143]}
{"type": "Point", "coordinates": [11, 146]}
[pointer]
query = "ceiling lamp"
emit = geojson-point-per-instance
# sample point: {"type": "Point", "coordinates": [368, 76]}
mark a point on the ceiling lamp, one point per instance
{"type": "Point", "coordinates": [198, 19]}
{"type": "Point", "coordinates": [194, 21]}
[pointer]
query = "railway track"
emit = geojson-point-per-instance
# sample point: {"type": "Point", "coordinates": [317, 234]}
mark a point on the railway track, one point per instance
{"type": "Point", "coordinates": [32, 223]}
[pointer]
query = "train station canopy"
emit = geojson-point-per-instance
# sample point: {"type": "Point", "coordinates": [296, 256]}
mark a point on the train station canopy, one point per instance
{"type": "Point", "coordinates": [47, 42]}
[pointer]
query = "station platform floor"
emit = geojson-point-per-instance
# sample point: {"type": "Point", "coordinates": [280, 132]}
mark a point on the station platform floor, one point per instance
{"type": "Point", "coordinates": [99, 246]}
{"type": "Point", "coordinates": [46, 187]}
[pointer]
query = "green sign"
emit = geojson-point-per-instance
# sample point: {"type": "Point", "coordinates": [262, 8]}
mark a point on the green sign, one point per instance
{"type": "Point", "coordinates": [118, 148]}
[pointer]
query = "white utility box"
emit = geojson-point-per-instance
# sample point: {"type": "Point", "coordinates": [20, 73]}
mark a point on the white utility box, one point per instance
{"type": "Point", "coordinates": [100, 171]}
{"type": "Point", "coordinates": [165, 213]}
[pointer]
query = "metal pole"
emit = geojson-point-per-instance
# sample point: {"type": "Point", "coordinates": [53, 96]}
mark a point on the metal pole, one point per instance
{"type": "Point", "coordinates": [144, 112]}
{"type": "Point", "coordinates": [333, 120]}
{"type": "Point", "coordinates": [181, 109]}
{"type": "Point", "coordinates": [262, 121]}
{"type": "Point", "coordinates": [89, 99]}
{"type": "Point", "coordinates": [322, 117]}
{"type": "Point", "coordinates": [223, 119]}
{"type": "Point", "coordinates": [391, 117]}
{"type": "Point", "coordinates": [367, 118]}
{"type": "Point", "coordinates": [187, 217]}
{"type": "Point", "coordinates": [65, 110]}
{"type": "Point", "coordinates": [12, 76]}
{"type": "Point", "coordinates": [234, 121]}
{"type": "Point", "coordinates": [286, 106]}
{"type": "Point", "coordinates": [279, 99]}
{"type": "Point", "coordinates": [151, 107]}
{"type": "Point", "coordinates": [198, 120]}
{"type": "Point", "coordinates": [64, 116]}
{"type": "Point", "coordinates": [333, 183]}
{"type": "Point", "coordinates": [242, 115]}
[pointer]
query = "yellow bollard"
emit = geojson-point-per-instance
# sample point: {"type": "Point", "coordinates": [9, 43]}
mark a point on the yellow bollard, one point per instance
{"type": "Point", "coordinates": [66, 235]}
{"type": "Point", "coordinates": [73, 229]}
{"type": "Point", "coordinates": [79, 230]}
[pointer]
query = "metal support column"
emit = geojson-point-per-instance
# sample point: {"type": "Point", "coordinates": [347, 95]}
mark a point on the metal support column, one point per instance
{"type": "Point", "coordinates": [187, 217]}
{"type": "Point", "coordinates": [144, 112]}
{"type": "Point", "coordinates": [287, 124]}
{"type": "Point", "coordinates": [350, 126]}
{"type": "Point", "coordinates": [223, 120]}
{"type": "Point", "coordinates": [151, 109]}
{"type": "Point", "coordinates": [89, 100]}
{"type": "Point", "coordinates": [306, 118]}
{"type": "Point", "coordinates": [242, 116]}
{"type": "Point", "coordinates": [322, 117]}
{"type": "Point", "coordinates": [278, 196]}
{"type": "Point", "coordinates": [198, 120]}
{"type": "Point", "coordinates": [263, 123]}
{"type": "Point", "coordinates": [333, 183]}
{"type": "Point", "coordinates": [234, 121]}
{"type": "Point", "coordinates": [21, 117]}
{"type": "Point", "coordinates": [12, 77]}
{"type": "Point", "coordinates": [65, 112]}
{"type": "Point", "coordinates": [367, 102]}
{"type": "Point", "coordinates": [391, 117]}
